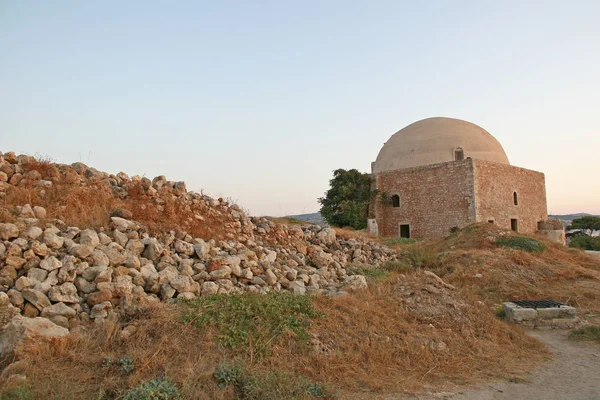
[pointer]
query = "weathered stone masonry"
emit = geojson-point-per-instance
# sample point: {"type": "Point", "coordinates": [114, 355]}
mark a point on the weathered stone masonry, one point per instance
{"type": "Point", "coordinates": [495, 185]}
{"type": "Point", "coordinates": [436, 198]}
{"type": "Point", "coordinates": [433, 199]}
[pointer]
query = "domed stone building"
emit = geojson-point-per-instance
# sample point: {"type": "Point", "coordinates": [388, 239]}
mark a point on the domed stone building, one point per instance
{"type": "Point", "coordinates": [440, 173]}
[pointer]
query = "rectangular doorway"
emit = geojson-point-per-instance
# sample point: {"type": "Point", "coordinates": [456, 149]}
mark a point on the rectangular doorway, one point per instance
{"type": "Point", "coordinates": [405, 231]}
{"type": "Point", "coordinates": [514, 225]}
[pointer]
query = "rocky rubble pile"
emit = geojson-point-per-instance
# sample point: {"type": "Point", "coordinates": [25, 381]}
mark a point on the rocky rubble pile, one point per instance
{"type": "Point", "coordinates": [72, 274]}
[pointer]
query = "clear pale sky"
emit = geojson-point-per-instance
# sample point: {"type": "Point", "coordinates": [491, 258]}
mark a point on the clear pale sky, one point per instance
{"type": "Point", "coordinates": [261, 101]}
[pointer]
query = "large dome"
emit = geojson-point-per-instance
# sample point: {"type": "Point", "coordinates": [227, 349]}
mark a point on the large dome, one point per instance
{"type": "Point", "coordinates": [437, 140]}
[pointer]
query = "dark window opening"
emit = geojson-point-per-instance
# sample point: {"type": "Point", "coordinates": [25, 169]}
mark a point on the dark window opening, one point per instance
{"type": "Point", "coordinates": [459, 154]}
{"type": "Point", "coordinates": [516, 198]}
{"type": "Point", "coordinates": [395, 201]}
{"type": "Point", "coordinates": [514, 225]}
{"type": "Point", "coordinates": [405, 231]}
{"type": "Point", "coordinates": [490, 221]}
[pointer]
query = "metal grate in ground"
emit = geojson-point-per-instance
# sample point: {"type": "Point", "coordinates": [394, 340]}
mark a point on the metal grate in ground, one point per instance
{"type": "Point", "coordinates": [538, 303]}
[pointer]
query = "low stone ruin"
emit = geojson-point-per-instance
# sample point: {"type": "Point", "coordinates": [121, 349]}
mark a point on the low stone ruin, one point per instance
{"type": "Point", "coordinates": [542, 314]}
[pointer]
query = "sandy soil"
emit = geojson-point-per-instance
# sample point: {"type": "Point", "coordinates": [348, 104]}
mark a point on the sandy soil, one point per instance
{"type": "Point", "coordinates": [573, 373]}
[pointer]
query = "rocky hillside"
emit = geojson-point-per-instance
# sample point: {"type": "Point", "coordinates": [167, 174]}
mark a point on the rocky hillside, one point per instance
{"type": "Point", "coordinates": [75, 243]}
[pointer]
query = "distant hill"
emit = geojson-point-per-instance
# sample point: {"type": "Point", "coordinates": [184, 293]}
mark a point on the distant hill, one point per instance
{"type": "Point", "coordinates": [569, 217]}
{"type": "Point", "coordinates": [314, 218]}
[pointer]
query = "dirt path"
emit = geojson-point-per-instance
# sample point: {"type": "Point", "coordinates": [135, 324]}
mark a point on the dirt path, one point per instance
{"type": "Point", "coordinates": [573, 373]}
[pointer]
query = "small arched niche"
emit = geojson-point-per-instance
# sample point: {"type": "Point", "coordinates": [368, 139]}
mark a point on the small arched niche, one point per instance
{"type": "Point", "coordinates": [395, 201]}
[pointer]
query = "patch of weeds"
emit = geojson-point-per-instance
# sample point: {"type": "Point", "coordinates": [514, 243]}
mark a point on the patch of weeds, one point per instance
{"type": "Point", "coordinates": [422, 257]}
{"type": "Point", "coordinates": [521, 243]}
{"type": "Point", "coordinates": [126, 364]}
{"type": "Point", "coordinates": [454, 230]}
{"type": "Point", "coordinates": [591, 332]}
{"type": "Point", "coordinates": [21, 392]}
{"type": "Point", "coordinates": [270, 385]}
{"type": "Point", "coordinates": [470, 228]}
{"type": "Point", "coordinates": [370, 272]}
{"type": "Point", "coordinates": [399, 240]}
{"type": "Point", "coordinates": [396, 266]}
{"type": "Point", "coordinates": [156, 389]}
{"type": "Point", "coordinates": [251, 322]}
{"type": "Point", "coordinates": [107, 362]}
{"type": "Point", "coordinates": [499, 312]}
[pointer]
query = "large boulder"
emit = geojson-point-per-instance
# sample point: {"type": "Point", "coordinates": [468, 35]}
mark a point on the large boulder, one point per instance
{"type": "Point", "coordinates": [21, 334]}
{"type": "Point", "coordinates": [355, 282]}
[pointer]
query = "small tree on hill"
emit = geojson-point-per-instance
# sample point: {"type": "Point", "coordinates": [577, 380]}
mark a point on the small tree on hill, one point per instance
{"type": "Point", "coordinates": [346, 203]}
{"type": "Point", "coordinates": [582, 238]}
{"type": "Point", "coordinates": [587, 224]}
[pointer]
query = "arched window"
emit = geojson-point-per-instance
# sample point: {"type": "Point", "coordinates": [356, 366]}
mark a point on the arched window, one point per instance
{"type": "Point", "coordinates": [395, 201]}
{"type": "Point", "coordinates": [459, 154]}
{"type": "Point", "coordinates": [516, 198]}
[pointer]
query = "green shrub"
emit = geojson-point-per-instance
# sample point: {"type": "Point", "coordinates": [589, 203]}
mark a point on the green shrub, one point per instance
{"type": "Point", "coordinates": [591, 332]}
{"type": "Point", "coordinates": [157, 389]}
{"type": "Point", "coordinates": [270, 385]}
{"type": "Point", "coordinates": [585, 243]}
{"type": "Point", "coordinates": [521, 243]}
{"type": "Point", "coordinates": [249, 321]}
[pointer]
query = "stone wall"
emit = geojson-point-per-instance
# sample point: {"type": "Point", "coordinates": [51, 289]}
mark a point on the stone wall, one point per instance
{"type": "Point", "coordinates": [495, 185]}
{"type": "Point", "coordinates": [433, 199]}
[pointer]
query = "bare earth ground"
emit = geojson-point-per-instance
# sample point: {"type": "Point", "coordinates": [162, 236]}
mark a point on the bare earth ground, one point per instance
{"type": "Point", "coordinates": [573, 373]}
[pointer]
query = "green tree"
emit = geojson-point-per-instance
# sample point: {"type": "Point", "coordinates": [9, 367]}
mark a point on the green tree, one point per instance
{"type": "Point", "coordinates": [587, 224]}
{"type": "Point", "coordinates": [585, 243]}
{"type": "Point", "coordinates": [346, 203]}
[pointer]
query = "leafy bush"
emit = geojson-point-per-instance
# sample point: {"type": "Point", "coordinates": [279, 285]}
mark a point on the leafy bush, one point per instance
{"type": "Point", "coordinates": [591, 332]}
{"type": "Point", "coordinates": [585, 243]}
{"type": "Point", "coordinates": [521, 243]}
{"type": "Point", "coordinates": [271, 385]}
{"type": "Point", "coordinates": [157, 389]}
{"type": "Point", "coordinates": [250, 321]}
{"type": "Point", "coordinates": [346, 203]}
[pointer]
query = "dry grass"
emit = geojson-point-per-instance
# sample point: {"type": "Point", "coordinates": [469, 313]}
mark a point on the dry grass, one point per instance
{"type": "Point", "coordinates": [557, 273]}
{"type": "Point", "coordinates": [350, 233]}
{"type": "Point", "coordinates": [78, 367]}
{"type": "Point", "coordinates": [91, 206]}
{"type": "Point", "coordinates": [383, 339]}
{"type": "Point", "coordinates": [42, 164]}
